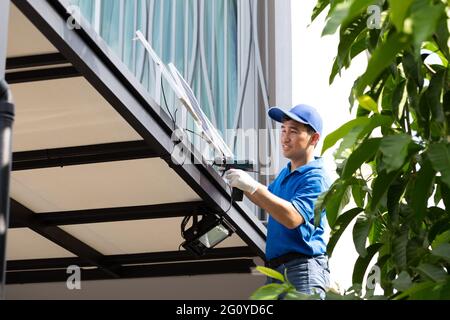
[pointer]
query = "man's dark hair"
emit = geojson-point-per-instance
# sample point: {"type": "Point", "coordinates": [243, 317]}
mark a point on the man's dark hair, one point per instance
{"type": "Point", "coordinates": [309, 129]}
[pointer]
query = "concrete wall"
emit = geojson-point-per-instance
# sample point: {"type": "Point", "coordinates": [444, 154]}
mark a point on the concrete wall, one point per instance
{"type": "Point", "coordinates": [217, 287]}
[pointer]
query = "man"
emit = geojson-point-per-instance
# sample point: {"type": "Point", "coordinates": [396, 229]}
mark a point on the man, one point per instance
{"type": "Point", "coordinates": [294, 244]}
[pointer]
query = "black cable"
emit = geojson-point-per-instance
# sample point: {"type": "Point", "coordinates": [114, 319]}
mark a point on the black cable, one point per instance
{"type": "Point", "coordinates": [232, 200]}
{"type": "Point", "coordinates": [186, 219]}
{"type": "Point", "coordinates": [183, 225]}
{"type": "Point", "coordinates": [197, 134]}
{"type": "Point", "coordinates": [167, 105]}
{"type": "Point", "coordinates": [175, 115]}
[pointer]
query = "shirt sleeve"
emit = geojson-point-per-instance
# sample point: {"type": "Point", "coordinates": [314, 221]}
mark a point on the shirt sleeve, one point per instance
{"type": "Point", "coordinates": [306, 196]}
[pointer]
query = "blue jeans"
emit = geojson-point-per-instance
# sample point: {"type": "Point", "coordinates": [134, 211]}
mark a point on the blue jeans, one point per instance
{"type": "Point", "coordinates": [307, 275]}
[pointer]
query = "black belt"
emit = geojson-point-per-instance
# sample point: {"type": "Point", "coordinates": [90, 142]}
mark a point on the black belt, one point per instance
{"type": "Point", "coordinates": [276, 262]}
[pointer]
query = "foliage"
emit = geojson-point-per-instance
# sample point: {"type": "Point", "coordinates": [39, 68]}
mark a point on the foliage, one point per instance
{"type": "Point", "coordinates": [281, 288]}
{"type": "Point", "coordinates": [394, 158]}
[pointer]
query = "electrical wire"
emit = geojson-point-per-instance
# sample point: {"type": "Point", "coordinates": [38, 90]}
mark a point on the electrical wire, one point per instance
{"type": "Point", "coordinates": [186, 219]}
{"type": "Point", "coordinates": [193, 132]}
{"type": "Point", "coordinates": [232, 200]}
{"type": "Point", "coordinates": [174, 122]}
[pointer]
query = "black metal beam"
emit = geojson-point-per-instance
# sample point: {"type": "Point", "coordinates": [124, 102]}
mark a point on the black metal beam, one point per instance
{"type": "Point", "coordinates": [121, 89]}
{"type": "Point", "coordinates": [26, 217]}
{"type": "Point", "coordinates": [141, 271]}
{"type": "Point", "coordinates": [71, 156]}
{"type": "Point", "coordinates": [158, 211]}
{"type": "Point", "coordinates": [6, 107]}
{"type": "Point", "coordinates": [41, 75]}
{"type": "Point", "coordinates": [33, 61]}
{"type": "Point", "coordinates": [128, 259]}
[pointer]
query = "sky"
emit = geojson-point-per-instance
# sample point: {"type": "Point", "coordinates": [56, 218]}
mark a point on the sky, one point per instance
{"type": "Point", "coordinates": [312, 63]}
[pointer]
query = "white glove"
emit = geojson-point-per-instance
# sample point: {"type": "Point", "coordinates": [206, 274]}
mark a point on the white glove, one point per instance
{"type": "Point", "coordinates": [241, 180]}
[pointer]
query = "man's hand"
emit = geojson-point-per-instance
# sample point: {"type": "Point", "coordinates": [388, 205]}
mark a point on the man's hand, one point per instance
{"type": "Point", "coordinates": [242, 180]}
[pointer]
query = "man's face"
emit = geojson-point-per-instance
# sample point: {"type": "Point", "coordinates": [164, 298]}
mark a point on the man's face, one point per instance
{"type": "Point", "coordinates": [295, 140]}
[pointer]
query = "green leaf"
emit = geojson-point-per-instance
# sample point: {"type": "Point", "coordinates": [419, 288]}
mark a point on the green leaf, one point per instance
{"type": "Point", "coordinates": [442, 251]}
{"type": "Point", "coordinates": [340, 226]}
{"type": "Point", "coordinates": [416, 290]}
{"type": "Point", "coordinates": [403, 281]}
{"type": "Point", "coordinates": [439, 154]}
{"type": "Point", "coordinates": [395, 193]}
{"type": "Point", "coordinates": [348, 36]}
{"type": "Point", "coordinates": [363, 262]}
{"type": "Point", "coordinates": [395, 151]}
{"type": "Point", "coordinates": [343, 13]}
{"type": "Point", "coordinates": [415, 251]}
{"type": "Point", "coordinates": [376, 231]}
{"type": "Point", "coordinates": [397, 98]}
{"type": "Point", "coordinates": [444, 290]}
{"type": "Point", "coordinates": [441, 223]}
{"type": "Point", "coordinates": [269, 292]}
{"type": "Point", "coordinates": [412, 66]}
{"type": "Point", "coordinates": [380, 187]}
{"type": "Point", "coordinates": [360, 234]}
{"type": "Point", "coordinates": [382, 57]}
{"type": "Point", "coordinates": [336, 16]}
{"type": "Point", "coordinates": [337, 202]}
{"type": "Point", "coordinates": [435, 48]}
{"type": "Point", "coordinates": [445, 192]}
{"type": "Point", "coordinates": [423, 20]}
{"type": "Point", "coordinates": [442, 37]}
{"type": "Point", "coordinates": [271, 273]}
{"type": "Point", "coordinates": [318, 9]}
{"type": "Point", "coordinates": [440, 239]}
{"type": "Point", "coordinates": [433, 272]}
{"type": "Point", "coordinates": [446, 105]}
{"type": "Point", "coordinates": [368, 103]}
{"type": "Point", "coordinates": [333, 201]}
{"type": "Point", "coordinates": [360, 132]}
{"type": "Point", "coordinates": [356, 48]}
{"type": "Point", "coordinates": [423, 116]}
{"type": "Point", "coordinates": [359, 191]}
{"type": "Point", "coordinates": [398, 11]}
{"type": "Point", "coordinates": [399, 244]}
{"type": "Point", "coordinates": [433, 99]}
{"type": "Point", "coordinates": [340, 133]}
{"type": "Point", "coordinates": [364, 152]}
{"type": "Point", "coordinates": [387, 93]}
{"type": "Point", "coordinates": [422, 190]}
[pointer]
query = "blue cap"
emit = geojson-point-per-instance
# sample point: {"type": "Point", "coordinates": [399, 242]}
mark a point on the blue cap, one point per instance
{"type": "Point", "coordinates": [302, 113]}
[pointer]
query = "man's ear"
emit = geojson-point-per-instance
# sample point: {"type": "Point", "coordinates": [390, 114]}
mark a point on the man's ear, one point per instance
{"type": "Point", "coordinates": [314, 141]}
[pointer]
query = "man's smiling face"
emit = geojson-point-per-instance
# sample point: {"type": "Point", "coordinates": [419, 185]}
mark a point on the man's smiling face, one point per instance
{"type": "Point", "coordinates": [296, 138]}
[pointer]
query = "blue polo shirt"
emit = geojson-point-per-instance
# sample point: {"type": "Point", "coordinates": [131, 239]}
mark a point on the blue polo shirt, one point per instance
{"type": "Point", "coordinates": [301, 187]}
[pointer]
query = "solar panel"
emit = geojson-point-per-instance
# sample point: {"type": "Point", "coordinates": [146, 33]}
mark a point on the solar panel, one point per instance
{"type": "Point", "coordinates": [187, 97]}
{"type": "Point", "coordinates": [205, 123]}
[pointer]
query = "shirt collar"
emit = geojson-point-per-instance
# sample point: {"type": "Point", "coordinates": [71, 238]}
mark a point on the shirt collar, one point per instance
{"type": "Point", "coordinates": [317, 163]}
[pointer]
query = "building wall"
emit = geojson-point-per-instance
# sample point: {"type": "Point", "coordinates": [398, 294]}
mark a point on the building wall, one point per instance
{"type": "Point", "coordinates": [217, 287]}
{"type": "Point", "coordinates": [263, 79]}
{"type": "Point", "coordinates": [4, 18]}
